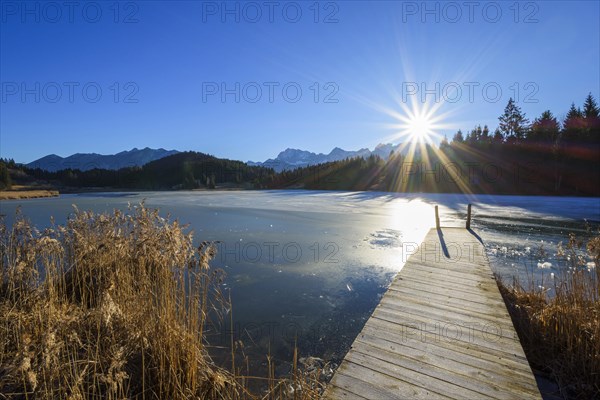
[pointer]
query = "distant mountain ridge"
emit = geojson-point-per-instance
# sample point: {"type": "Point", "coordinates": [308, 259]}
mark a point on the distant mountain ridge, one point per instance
{"type": "Point", "coordinates": [294, 158]}
{"type": "Point", "coordinates": [87, 161]}
{"type": "Point", "coordinates": [288, 159]}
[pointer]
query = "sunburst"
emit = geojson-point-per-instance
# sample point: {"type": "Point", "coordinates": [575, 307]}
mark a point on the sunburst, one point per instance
{"type": "Point", "coordinates": [418, 125]}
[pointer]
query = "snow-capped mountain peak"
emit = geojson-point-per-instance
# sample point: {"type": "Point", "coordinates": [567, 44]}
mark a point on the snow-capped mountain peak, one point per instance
{"type": "Point", "coordinates": [295, 158]}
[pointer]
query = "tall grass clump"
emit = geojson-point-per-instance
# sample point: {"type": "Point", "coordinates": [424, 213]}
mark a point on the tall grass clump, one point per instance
{"type": "Point", "coordinates": [560, 333]}
{"type": "Point", "coordinates": [107, 306]}
{"type": "Point", "coordinates": [114, 306]}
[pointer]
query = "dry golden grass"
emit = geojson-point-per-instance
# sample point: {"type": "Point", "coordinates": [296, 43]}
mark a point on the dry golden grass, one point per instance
{"type": "Point", "coordinates": [114, 306]}
{"type": "Point", "coordinates": [26, 194]}
{"type": "Point", "coordinates": [561, 333]}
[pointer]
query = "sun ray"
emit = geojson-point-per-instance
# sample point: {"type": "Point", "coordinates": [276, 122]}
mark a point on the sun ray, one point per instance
{"type": "Point", "coordinates": [418, 123]}
{"type": "Point", "coordinates": [418, 129]}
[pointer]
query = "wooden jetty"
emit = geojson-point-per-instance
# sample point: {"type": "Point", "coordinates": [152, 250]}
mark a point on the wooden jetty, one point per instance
{"type": "Point", "coordinates": [441, 330]}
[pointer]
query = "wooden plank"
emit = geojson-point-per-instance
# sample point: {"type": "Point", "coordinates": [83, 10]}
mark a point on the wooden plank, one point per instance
{"type": "Point", "coordinates": [435, 331]}
{"type": "Point", "coordinates": [415, 346]}
{"type": "Point", "coordinates": [458, 290]}
{"type": "Point", "coordinates": [398, 301]}
{"type": "Point", "coordinates": [342, 393]}
{"type": "Point", "coordinates": [463, 383]}
{"type": "Point", "coordinates": [385, 376]}
{"type": "Point", "coordinates": [453, 351]}
{"type": "Point", "coordinates": [456, 371]}
{"type": "Point", "coordinates": [372, 384]}
{"type": "Point", "coordinates": [459, 276]}
{"type": "Point", "coordinates": [474, 303]}
{"type": "Point", "coordinates": [444, 312]}
{"type": "Point", "coordinates": [449, 290]}
{"type": "Point", "coordinates": [466, 277]}
{"type": "Point", "coordinates": [431, 275]}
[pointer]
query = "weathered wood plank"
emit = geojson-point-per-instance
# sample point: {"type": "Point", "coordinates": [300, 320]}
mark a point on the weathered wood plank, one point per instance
{"type": "Point", "coordinates": [450, 290]}
{"type": "Point", "coordinates": [444, 312]}
{"type": "Point", "coordinates": [401, 388]}
{"type": "Point", "coordinates": [465, 383]}
{"type": "Point", "coordinates": [478, 379]}
{"type": "Point", "coordinates": [343, 393]}
{"type": "Point", "coordinates": [473, 277]}
{"type": "Point", "coordinates": [374, 384]}
{"type": "Point", "coordinates": [449, 298]}
{"type": "Point", "coordinates": [473, 336]}
{"type": "Point", "coordinates": [441, 331]}
{"type": "Point", "coordinates": [432, 276]}
{"type": "Point", "coordinates": [453, 351]}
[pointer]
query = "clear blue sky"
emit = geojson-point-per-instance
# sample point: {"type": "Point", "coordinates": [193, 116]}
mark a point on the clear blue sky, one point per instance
{"type": "Point", "coordinates": [173, 58]}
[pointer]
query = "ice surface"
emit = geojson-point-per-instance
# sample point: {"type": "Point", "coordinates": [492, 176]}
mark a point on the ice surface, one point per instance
{"type": "Point", "coordinates": [308, 267]}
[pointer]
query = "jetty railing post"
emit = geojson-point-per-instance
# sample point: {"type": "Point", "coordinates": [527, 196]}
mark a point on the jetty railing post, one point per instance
{"type": "Point", "coordinates": [469, 217]}
{"type": "Point", "coordinates": [437, 218]}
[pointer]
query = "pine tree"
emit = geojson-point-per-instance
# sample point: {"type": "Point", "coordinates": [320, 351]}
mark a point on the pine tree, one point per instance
{"type": "Point", "coordinates": [498, 136]}
{"type": "Point", "coordinates": [458, 137]}
{"type": "Point", "coordinates": [469, 139]}
{"type": "Point", "coordinates": [444, 143]}
{"type": "Point", "coordinates": [474, 136]}
{"type": "Point", "coordinates": [573, 125]}
{"type": "Point", "coordinates": [544, 129]}
{"type": "Point", "coordinates": [479, 132]}
{"type": "Point", "coordinates": [485, 134]}
{"type": "Point", "coordinates": [591, 116]}
{"type": "Point", "coordinates": [513, 123]}
{"type": "Point", "coordinates": [590, 107]}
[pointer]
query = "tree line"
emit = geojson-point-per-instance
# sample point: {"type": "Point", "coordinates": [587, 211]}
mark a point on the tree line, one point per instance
{"type": "Point", "coordinates": [185, 170]}
{"type": "Point", "coordinates": [580, 127]}
{"type": "Point", "coordinates": [544, 157]}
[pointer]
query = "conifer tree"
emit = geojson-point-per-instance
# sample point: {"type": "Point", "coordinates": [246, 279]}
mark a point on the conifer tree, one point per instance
{"type": "Point", "coordinates": [590, 107]}
{"type": "Point", "coordinates": [591, 116]}
{"type": "Point", "coordinates": [573, 125]}
{"type": "Point", "coordinates": [444, 143]}
{"type": "Point", "coordinates": [498, 136]}
{"type": "Point", "coordinates": [458, 137]}
{"type": "Point", "coordinates": [544, 129]}
{"type": "Point", "coordinates": [485, 134]}
{"type": "Point", "coordinates": [513, 123]}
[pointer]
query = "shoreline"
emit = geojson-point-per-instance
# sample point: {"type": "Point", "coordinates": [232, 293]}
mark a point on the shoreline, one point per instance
{"type": "Point", "coordinates": [27, 194]}
{"type": "Point", "coordinates": [227, 188]}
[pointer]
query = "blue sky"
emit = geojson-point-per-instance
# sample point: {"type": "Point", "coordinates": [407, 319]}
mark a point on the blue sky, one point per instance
{"type": "Point", "coordinates": [95, 77]}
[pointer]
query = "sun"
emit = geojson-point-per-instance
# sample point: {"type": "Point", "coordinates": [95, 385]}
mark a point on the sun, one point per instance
{"type": "Point", "coordinates": [414, 124]}
{"type": "Point", "coordinates": [420, 128]}
{"type": "Point", "coordinates": [418, 124]}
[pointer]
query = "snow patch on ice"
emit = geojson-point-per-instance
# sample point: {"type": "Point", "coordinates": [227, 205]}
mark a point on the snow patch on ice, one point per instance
{"type": "Point", "coordinates": [385, 238]}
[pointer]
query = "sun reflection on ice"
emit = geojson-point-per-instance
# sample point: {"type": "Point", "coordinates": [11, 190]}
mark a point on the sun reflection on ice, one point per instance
{"type": "Point", "coordinates": [413, 218]}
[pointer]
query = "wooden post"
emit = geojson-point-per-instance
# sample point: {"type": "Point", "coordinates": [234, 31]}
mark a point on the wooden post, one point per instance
{"type": "Point", "coordinates": [469, 217]}
{"type": "Point", "coordinates": [437, 218]}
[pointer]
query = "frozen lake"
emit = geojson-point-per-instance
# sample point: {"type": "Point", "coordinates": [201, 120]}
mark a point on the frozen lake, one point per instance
{"type": "Point", "coordinates": [309, 267]}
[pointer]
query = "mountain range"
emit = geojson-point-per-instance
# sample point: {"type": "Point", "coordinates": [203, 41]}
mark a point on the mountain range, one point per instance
{"type": "Point", "coordinates": [294, 158]}
{"type": "Point", "coordinates": [87, 161]}
{"type": "Point", "coordinates": [288, 159]}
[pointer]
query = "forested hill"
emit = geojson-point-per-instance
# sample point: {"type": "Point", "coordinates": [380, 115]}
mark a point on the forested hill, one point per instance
{"type": "Point", "coordinates": [456, 167]}
{"type": "Point", "coordinates": [460, 168]}
{"type": "Point", "coordinates": [186, 170]}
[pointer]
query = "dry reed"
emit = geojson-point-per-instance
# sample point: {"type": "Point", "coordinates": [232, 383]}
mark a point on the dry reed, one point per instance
{"type": "Point", "coordinates": [114, 306]}
{"type": "Point", "coordinates": [561, 333]}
